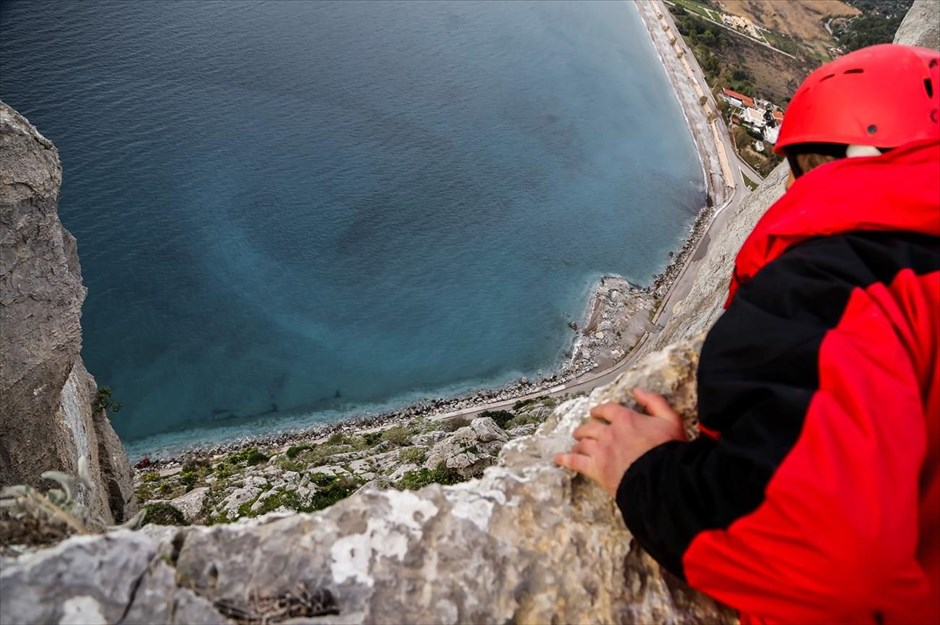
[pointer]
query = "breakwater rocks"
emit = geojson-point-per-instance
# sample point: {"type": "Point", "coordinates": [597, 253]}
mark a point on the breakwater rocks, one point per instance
{"type": "Point", "coordinates": [662, 282]}
{"type": "Point", "coordinates": [618, 315]}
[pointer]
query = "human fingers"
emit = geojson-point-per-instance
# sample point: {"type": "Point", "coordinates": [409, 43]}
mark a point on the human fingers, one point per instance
{"type": "Point", "coordinates": [655, 404]}
{"type": "Point", "coordinates": [610, 412]}
{"type": "Point", "coordinates": [576, 462]}
{"type": "Point", "coordinates": [591, 429]}
{"type": "Point", "coordinates": [586, 447]}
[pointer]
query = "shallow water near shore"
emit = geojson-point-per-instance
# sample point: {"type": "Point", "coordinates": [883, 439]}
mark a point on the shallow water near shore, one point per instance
{"type": "Point", "coordinates": [290, 212]}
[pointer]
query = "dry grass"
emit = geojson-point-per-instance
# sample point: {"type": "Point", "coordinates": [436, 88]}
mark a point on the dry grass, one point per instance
{"type": "Point", "coordinates": [802, 20]}
{"type": "Point", "coordinates": [777, 76]}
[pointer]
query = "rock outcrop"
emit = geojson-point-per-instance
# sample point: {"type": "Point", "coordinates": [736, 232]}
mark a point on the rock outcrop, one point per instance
{"type": "Point", "coordinates": [469, 449]}
{"type": "Point", "coordinates": [526, 543]}
{"type": "Point", "coordinates": [48, 414]}
{"type": "Point", "coordinates": [921, 25]}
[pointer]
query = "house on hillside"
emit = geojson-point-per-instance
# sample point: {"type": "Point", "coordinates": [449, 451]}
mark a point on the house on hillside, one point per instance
{"type": "Point", "coordinates": [754, 118]}
{"type": "Point", "coordinates": [737, 100]}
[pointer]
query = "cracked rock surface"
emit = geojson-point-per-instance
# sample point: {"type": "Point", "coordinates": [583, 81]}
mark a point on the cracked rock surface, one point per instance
{"type": "Point", "coordinates": [47, 413]}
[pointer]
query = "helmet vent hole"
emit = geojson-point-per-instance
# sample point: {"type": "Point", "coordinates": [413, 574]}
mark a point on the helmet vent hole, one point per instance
{"type": "Point", "coordinates": [928, 85]}
{"type": "Point", "coordinates": [826, 77]}
{"type": "Point", "coordinates": [872, 129]}
{"type": "Point", "coordinates": [932, 64]}
{"type": "Point", "coordinates": [857, 70]}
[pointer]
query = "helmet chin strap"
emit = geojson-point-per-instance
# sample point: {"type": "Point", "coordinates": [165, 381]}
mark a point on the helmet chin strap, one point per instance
{"type": "Point", "coordinates": [862, 150]}
{"type": "Point", "coordinates": [851, 151]}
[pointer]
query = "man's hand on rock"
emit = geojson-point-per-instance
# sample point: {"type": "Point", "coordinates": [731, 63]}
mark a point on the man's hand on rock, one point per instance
{"type": "Point", "coordinates": [616, 436]}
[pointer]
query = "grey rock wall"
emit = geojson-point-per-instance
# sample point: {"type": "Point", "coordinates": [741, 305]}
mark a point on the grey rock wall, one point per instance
{"type": "Point", "coordinates": [921, 25]}
{"type": "Point", "coordinates": [46, 396]}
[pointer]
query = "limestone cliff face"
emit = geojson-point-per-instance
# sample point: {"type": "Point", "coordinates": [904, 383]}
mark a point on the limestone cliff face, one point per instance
{"type": "Point", "coordinates": [921, 25]}
{"type": "Point", "coordinates": [47, 415]}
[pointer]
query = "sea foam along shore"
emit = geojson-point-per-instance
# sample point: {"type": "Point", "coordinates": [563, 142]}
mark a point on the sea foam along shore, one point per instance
{"type": "Point", "coordinates": [617, 314]}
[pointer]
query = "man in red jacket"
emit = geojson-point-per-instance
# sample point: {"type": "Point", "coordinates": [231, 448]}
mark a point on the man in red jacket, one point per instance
{"type": "Point", "coordinates": [813, 494]}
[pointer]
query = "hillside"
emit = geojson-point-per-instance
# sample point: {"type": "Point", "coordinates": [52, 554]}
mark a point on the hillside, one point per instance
{"type": "Point", "coordinates": [802, 20]}
{"type": "Point", "coordinates": [766, 47]}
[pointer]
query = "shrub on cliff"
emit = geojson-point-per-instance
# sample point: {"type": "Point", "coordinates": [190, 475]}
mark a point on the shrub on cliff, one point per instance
{"type": "Point", "coordinates": [501, 417]}
{"type": "Point", "coordinates": [330, 489]}
{"type": "Point", "coordinates": [413, 480]}
{"type": "Point", "coordinates": [104, 401]}
{"type": "Point", "coordinates": [162, 513]}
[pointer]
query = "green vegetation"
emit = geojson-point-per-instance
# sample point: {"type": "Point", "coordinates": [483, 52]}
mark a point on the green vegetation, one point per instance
{"type": "Point", "coordinates": [413, 455]}
{"type": "Point", "coordinates": [281, 498]}
{"type": "Point", "coordinates": [698, 8]}
{"type": "Point", "coordinates": [104, 401]}
{"type": "Point", "coordinates": [413, 480]}
{"type": "Point", "coordinates": [878, 22]}
{"type": "Point", "coordinates": [397, 436]}
{"type": "Point", "coordinates": [524, 419]}
{"type": "Point", "coordinates": [501, 417]}
{"type": "Point", "coordinates": [224, 474]}
{"type": "Point", "coordinates": [709, 42]}
{"type": "Point", "coordinates": [782, 42]}
{"type": "Point", "coordinates": [234, 462]}
{"type": "Point", "coordinates": [162, 513]}
{"type": "Point", "coordinates": [194, 472]}
{"type": "Point", "coordinates": [330, 489]}
{"type": "Point", "coordinates": [337, 438]}
{"type": "Point", "coordinates": [249, 457]}
{"type": "Point", "coordinates": [750, 184]}
{"type": "Point", "coordinates": [295, 450]}
{"type": "Point", "coordinates": [371, 439]}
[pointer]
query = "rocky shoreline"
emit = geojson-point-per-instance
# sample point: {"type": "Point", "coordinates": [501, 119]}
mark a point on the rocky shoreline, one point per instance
{"type": "Point", "coordinates": [617, 316]}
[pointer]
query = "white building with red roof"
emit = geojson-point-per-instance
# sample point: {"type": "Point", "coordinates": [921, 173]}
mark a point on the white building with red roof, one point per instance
{"type": "Point", "coordinates": [737, 100]}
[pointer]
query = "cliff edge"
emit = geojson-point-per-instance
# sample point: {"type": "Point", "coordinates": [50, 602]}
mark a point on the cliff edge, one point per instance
{"type": "Point", "coordinates": [48, 413]}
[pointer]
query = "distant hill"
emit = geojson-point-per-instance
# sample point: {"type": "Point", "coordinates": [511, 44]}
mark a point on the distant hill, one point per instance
{"type": "Point", "coordinates": [802, 20]}
{"type": "Point", "coordinates": [878, 22]}
{"type": "Point", "coordinates": [782, 40]}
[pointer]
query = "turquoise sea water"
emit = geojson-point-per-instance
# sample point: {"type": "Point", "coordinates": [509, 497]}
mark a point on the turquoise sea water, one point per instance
{"type": "Point", "coordinates": [290, 212]}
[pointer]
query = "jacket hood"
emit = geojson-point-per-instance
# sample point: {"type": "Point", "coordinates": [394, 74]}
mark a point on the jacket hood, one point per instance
{"type": "Point", "coordinates": [897, 191]}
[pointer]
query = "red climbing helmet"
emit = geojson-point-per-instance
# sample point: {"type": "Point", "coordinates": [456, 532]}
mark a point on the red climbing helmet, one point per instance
{"type": "Point", "coordinates": [884, 96]}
